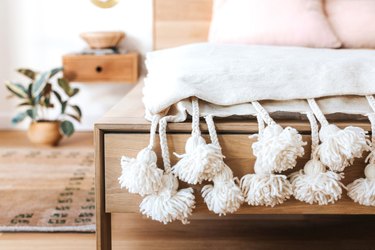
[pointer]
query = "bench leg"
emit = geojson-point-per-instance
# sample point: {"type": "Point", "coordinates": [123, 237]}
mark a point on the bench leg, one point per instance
{"type": "Point", "coordinates": [103, 219]}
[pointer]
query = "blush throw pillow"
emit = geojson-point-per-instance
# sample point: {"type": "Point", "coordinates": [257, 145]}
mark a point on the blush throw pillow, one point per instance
{"type": "Point", "coordinates": [353, 22]}
{"type": "Point", "coordinates": [272, 22]}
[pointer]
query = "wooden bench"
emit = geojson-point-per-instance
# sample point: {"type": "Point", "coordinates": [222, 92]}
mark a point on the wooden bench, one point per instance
{"type": "Point", "coordinates": [124, 131]}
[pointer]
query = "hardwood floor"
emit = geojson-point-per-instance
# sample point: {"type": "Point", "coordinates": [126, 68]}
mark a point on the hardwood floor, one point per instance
{"type": "Point", "coordinates": [47, 241]}
{"type": "Point", "coordinates": [131, 231]}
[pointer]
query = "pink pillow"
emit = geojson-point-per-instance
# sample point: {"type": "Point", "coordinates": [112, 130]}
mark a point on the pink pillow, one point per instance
{"type": "Point", "coordinates": [273, 22]}
{"type": "Point", "coordinates": [353, 21]}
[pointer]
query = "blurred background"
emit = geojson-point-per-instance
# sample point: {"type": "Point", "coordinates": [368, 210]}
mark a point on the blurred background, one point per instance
{"type": "Point", "coordinates": [36, 34]}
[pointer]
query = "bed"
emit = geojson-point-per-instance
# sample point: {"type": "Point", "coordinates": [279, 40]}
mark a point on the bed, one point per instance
{"type": "Point", "coordinates": [124, 130]}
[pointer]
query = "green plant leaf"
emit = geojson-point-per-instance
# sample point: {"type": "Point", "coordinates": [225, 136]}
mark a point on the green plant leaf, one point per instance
{"type": "Point", "coordinates": [64, 84]}
{"type": "Point", "coordinates": [40, 83]}
{"type": "Point", "coordinates": [63, 107]}
{"type": "Point", "coordinates": [67, 128]}
{"type": "Point", "coordinates": [31, 113]}
{"type": "Point", "coordinates": [37, 98]}
{"type": "Point", "coordinates": [30, 91]}
{"type": "Point", "coordinates": [55, 71]}
{"type": "Point", "coordinates": [77, 110]}
{"type": "Point", "coordinates": [73, 92]}
{"type": "Point", "coordinates": [58, 96]}
{"type": "Point", "coordinates": [24, 104]}
{"type": "Point", "coordinates": [46, 96]}
{"type": "Point", "coordinates": [28, 73]}
{"type": "Point", "coordinates": [19, 118]}
{"type": "Point", "coordinates": [17, 89]}
{"type": "Point", "coordinates": [75, 117]}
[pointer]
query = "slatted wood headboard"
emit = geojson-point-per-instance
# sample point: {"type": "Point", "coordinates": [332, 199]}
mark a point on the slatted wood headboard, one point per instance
{"type": "Point", "coordinates": [178, 22]}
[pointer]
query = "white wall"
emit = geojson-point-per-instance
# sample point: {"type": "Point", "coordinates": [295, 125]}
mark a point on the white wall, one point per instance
{"type": "Point", "coordinates": [36, 33]}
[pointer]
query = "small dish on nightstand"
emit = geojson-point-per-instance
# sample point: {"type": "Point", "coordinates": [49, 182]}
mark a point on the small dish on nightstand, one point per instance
{"type": "Point", "coordinates": [103, 39]}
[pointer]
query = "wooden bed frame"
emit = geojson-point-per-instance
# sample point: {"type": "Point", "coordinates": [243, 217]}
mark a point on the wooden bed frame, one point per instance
{"type": "Point", "coordinates": [123, 130]}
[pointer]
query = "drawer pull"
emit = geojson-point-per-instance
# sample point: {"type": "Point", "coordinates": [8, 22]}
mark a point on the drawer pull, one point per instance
{"type": "Point", "coordinates": [98, 69]}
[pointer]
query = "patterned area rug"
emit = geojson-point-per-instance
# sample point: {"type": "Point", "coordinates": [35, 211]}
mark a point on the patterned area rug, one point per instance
{"type": "Point", "coordinates": [44, 190]}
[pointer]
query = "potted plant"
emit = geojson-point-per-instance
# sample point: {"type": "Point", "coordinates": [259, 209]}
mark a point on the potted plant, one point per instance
{"type": "Point", "coordinates": [39, 99]}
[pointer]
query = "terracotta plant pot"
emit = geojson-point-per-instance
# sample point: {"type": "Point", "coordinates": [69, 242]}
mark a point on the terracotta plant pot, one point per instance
{"type": "Point", "coordinates": [46, 133]}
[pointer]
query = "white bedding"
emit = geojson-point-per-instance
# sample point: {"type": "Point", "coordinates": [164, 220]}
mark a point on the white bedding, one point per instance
{"type": "Point", "coordinates": [226, 80]}
{"type": "Point", "coordinates": [229, 77]}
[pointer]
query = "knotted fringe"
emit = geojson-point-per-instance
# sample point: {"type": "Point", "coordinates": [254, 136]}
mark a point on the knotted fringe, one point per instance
{"type": "Point", "coordinates": [362, 190]}
{"type": "Point", "coordinates": [277, 149]}
{"type": "Point", "coordinates": [314, 184]}
{"type": "Point", "coordinates": [223, 196]}
{"type": "Point", "coordinates": [201, 161]}
{"type": "Point", "coordinates": [339, 147]}
{"type": "Point", "coordinates": [169, 203]}
{"type": "Point", "coordinates": [141, 175]}
{"type": "Point", "coordinates": [264, 188]}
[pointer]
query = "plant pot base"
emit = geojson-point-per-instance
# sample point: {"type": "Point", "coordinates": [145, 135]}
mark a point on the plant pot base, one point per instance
{"type": "Point", "coordinates": [45, 133]}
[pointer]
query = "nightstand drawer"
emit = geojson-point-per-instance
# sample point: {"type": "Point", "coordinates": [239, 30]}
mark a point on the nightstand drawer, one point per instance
{"type": "Point", "coordinates": [238, 157]}
{"type": "Point", "coordinates": [94, 68]}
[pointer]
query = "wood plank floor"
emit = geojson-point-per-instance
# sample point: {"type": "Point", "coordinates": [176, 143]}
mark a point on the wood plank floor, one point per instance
{"type": "Point", "coordinates": [259, 232]}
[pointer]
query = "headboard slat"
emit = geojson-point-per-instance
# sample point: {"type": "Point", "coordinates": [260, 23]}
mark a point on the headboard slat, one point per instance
{"type": "Point", "coordinates": [178, 22]}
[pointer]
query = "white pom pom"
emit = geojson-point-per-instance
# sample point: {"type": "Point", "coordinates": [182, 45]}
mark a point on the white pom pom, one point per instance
{"type": "Point", "coordinates": [224, 196]}
{"type": "Point", "coordinates": [277, 149]}
{"type": "Point", "coordinates": [363, 190]}
{"type": "Point", "coordinates": [141, 175]}
{"type": "Point", "coordinates": [200, 162]}
{"type": "Point", "coordinates": [264, 188]}
{"type": "Point", "coordinates": [169, 204]}
{"type": "Point", "coordinates": [314, 184]}
{"type": "Point", "coordinates": [339, 147]}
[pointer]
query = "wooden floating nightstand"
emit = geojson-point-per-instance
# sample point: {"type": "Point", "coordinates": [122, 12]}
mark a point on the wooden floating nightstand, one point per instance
{"type": "Point", "coordinates": [100, 68]}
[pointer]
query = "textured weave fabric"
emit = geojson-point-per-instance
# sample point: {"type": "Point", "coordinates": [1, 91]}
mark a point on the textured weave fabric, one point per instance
{"type": "Point", "coordinates": [229, 77]}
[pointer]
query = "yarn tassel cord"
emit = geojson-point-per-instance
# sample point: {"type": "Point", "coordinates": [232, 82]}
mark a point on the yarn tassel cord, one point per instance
{"type": "Point", "coordinates": [276, 149]}
{"type": "Point", "coordinates": [339, 147]}
{"type": "Point", "coordinates": [314, 184]}
{"type": "Point", "coordinates": [362, 190]}
{"type": "Point", "coordinates": [224, 195]}
{"type": "Point", "coordinates": [169, 203]}
{"type": "Point", "coordinates": [201, 161]}
{"type": "Point", "coordinates": [141, 175]}
{"type": "Point", "coordinates": [264, 188]}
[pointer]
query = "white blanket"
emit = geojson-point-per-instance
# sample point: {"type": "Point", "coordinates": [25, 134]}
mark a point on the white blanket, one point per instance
{"type": "Point", "coordinates": [229, 77]}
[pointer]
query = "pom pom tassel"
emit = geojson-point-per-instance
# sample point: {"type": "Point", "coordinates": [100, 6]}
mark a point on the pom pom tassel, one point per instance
{"type": "Point", "coordinates": [224, 195]}
{"type": "Point", "coordinates": [201, 161]}
{"type": "Point", "coordinates": [265, 188]}
{"type": "Point", "coordinates": [339, 147]}
{"type": "Point", "coordinates": [277, 149]}
{"type": "Point", "coordinates": [141, 175]}
{"type": "Point", "coordinates": [362, 190]}
{"type": "Point", "coordinates": [169, 203]}
{"type": "Point", "coordinates": [314, 184]}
